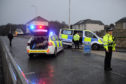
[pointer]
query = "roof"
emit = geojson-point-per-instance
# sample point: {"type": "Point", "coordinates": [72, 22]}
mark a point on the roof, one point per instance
{"type": "Point", "coordinates": [89, 21]}
{"type": "Point", "coordinates": [122, 20]}
{"type": "Point", "coordinates": [77, 29]}
{"type": "Point", "coordinates": [38, 18]}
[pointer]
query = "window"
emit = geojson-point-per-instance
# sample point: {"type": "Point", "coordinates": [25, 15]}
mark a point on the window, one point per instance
{"type": "Point", "coordinates": [67, 32]}
{"type": "Point", "coordinates": [79, 32]}
{"type": "Point", "coordinates": [89, 34]}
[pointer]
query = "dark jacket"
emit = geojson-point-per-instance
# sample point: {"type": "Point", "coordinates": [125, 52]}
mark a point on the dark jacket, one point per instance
{"type": "Point", "coordinates": [10, 36]}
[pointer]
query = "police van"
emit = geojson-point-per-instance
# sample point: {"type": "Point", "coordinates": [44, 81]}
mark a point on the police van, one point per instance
{"type": "Point", "coordinates": [66, 35]}
{"type": "Point", "coordinates": [43, 42]}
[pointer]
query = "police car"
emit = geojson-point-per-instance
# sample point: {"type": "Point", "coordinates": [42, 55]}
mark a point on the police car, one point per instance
{"type": "Point", "coordinates": [85, 35]}
{"type": "Point", "coordinates": [43, 42]}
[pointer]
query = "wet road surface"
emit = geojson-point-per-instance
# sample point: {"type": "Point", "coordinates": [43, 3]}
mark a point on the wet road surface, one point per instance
{"type": "Point", "coordinates": [69, 67]}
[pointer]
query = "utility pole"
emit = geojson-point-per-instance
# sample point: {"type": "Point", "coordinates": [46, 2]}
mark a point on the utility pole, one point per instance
{"type": "Point", "coordinates": [69, 12]}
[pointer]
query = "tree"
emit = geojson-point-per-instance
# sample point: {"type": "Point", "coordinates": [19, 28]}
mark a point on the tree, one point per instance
{"type": "Point", "coordinates": [56, 26]}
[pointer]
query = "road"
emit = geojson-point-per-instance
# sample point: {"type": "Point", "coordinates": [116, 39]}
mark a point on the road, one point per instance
{"type": "Point", "coordinates": [69, 67]}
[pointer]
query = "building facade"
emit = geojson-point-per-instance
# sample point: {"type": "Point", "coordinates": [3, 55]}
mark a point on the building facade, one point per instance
{"type": "Point", "coordinates": [120, 33]}
{"type": "Point", "coordinates": [93, 25]}
{"type": "Point", "coordinates": [121, 24]}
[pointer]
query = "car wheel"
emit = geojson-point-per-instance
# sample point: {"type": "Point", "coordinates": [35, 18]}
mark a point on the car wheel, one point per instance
{"type": "Point", "coordinates": [95, 47]}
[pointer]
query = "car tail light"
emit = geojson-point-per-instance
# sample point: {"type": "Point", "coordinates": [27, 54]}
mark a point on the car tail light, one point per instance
{"type": "Point", "coordinates": [50, 43]}
{"type": "Point", "coordinates": [27, 51]}
{"type": "Point", "coordinates": [48, 51]}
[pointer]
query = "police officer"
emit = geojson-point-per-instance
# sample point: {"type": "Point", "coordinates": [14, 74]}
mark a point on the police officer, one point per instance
{"type": "Point", "coordinates": [76, 39]}
{"type": "Point", "coordinates": [10, 37]}
{"type": "Point", "coordinates": [109, 45]}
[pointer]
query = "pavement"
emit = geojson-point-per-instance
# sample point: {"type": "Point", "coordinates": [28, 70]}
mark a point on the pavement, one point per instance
{"type": "Point", "coordinates": [117, 55]}
{"type": "Point", "coordinates": [71, 66]}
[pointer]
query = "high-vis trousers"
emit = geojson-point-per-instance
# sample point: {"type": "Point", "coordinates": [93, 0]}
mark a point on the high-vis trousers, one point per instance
{"type": "Point", "coordinates": [108, 56]}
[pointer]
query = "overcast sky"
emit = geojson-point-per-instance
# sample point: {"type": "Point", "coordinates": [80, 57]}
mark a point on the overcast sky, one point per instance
{"type": "Point", "coordinates": [21, 11]}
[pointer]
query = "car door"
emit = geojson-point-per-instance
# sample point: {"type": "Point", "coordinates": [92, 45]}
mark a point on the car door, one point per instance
{"type": "Point", "coordinates": [59, 43]}
{"type": "Point", "coordinates": [90, 35]}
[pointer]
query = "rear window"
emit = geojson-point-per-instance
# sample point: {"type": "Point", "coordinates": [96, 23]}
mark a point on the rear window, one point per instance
{"type": "Point", "coordinates": [39, 42]}
{"type": "Point", "coordinates": [67, 32]}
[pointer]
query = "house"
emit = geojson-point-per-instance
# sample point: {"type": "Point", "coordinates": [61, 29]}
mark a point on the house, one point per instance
{"type": "Point", "coordinates": [120, 33]}
{"type": "Point", "coordinates": [121, 24]}
{"type": "Point", "coordinates": [93, 25]}
{"type": "Point", "coordinates": [36, 21]}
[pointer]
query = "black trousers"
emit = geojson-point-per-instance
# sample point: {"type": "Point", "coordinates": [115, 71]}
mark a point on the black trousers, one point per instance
{"type": "Point", "coordinates": [108, 57]}
{"type": "Point", "coordinates": [76, 43]}
{"type": "Point", "coordinates": [10, 42]}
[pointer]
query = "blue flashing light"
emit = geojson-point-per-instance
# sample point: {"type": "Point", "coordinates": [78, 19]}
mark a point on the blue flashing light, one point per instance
{"type": "Point", "coordinates": [32, 27]}
{"type": "Point", "coordinates": [51, 33]}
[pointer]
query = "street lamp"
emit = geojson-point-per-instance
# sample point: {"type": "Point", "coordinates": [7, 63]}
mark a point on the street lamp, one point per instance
{"type": "Point", "coordinates": [69, 12]}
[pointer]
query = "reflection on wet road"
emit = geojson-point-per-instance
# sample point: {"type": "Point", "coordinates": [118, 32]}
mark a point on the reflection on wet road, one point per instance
{"type": "Point", "coordinates": [69, 67]}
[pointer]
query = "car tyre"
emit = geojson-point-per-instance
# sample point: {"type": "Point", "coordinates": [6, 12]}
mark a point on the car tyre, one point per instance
{"type": "Point", "coordinates": [95, 47]}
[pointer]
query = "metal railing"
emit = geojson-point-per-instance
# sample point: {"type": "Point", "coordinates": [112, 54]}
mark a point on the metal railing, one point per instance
{"type": "Point", "coordinates": [12, 71]}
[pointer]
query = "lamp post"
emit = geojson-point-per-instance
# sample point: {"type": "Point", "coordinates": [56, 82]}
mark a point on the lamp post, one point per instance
{"type": "Point", "coordinates": [69, 13]}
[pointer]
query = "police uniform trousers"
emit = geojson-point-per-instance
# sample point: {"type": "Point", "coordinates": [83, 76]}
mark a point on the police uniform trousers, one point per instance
{"type": "Point", "coordinates": [108, 56]}
{"type": "Point", "coordinates": [10, 42]}
{"type": "Point", "coordinates": [76, 44]}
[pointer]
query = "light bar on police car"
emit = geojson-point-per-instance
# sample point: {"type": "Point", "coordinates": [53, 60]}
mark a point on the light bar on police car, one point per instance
{"type": "Point", "coordinates": [41, 30]}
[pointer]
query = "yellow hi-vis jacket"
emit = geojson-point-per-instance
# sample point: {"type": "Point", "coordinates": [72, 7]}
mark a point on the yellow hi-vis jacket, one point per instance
{"type": "Point", "coordinates": [76, 37]}
{"type": "Point", "coordinates": [108, 41]}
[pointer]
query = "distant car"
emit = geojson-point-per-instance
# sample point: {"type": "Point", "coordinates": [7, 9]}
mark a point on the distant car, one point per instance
{"type": "Point", "coordinates": [46, 44]}
{"type": "Point", "coordinates": [19, 31]}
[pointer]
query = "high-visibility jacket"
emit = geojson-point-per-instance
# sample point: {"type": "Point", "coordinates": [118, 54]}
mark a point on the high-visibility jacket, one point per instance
{"type": "Point", "coordinates": [109, 41]}
{"type": "Point", "coordinates": [76, 37]}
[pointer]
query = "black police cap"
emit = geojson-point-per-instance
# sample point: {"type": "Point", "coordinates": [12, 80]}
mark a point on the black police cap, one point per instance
{"type": "Point", "coordinates": [109, 29]}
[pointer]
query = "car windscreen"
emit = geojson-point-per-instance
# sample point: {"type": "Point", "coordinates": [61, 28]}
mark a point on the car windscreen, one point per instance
{"type": "Point", "coordinates": [67, 32]}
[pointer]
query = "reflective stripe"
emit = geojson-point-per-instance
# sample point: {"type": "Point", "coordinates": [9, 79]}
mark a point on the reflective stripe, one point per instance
{"type": "Point", "coordinates": [99, 40]}
{"type": "Point", "coordinates": [37, 51]}
{"type": "Point", "coordinates": [53, 43]}
{"type": "Point", "coordinates": [86, 39]}
{"type": "Point", "coordinates": [63, 36]}
{"type": "Point", "coordinates": [61, 43]}
{"type": "Point", "coordinates": [57, 43]}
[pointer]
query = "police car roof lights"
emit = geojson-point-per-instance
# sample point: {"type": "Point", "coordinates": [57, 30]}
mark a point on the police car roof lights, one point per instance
{"type": "Point", "coordinates": [32, 27]}
{"type": "Point", "coordinates": [51, 33]}
{"type": "Point", "coordinates": [41, 30]}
